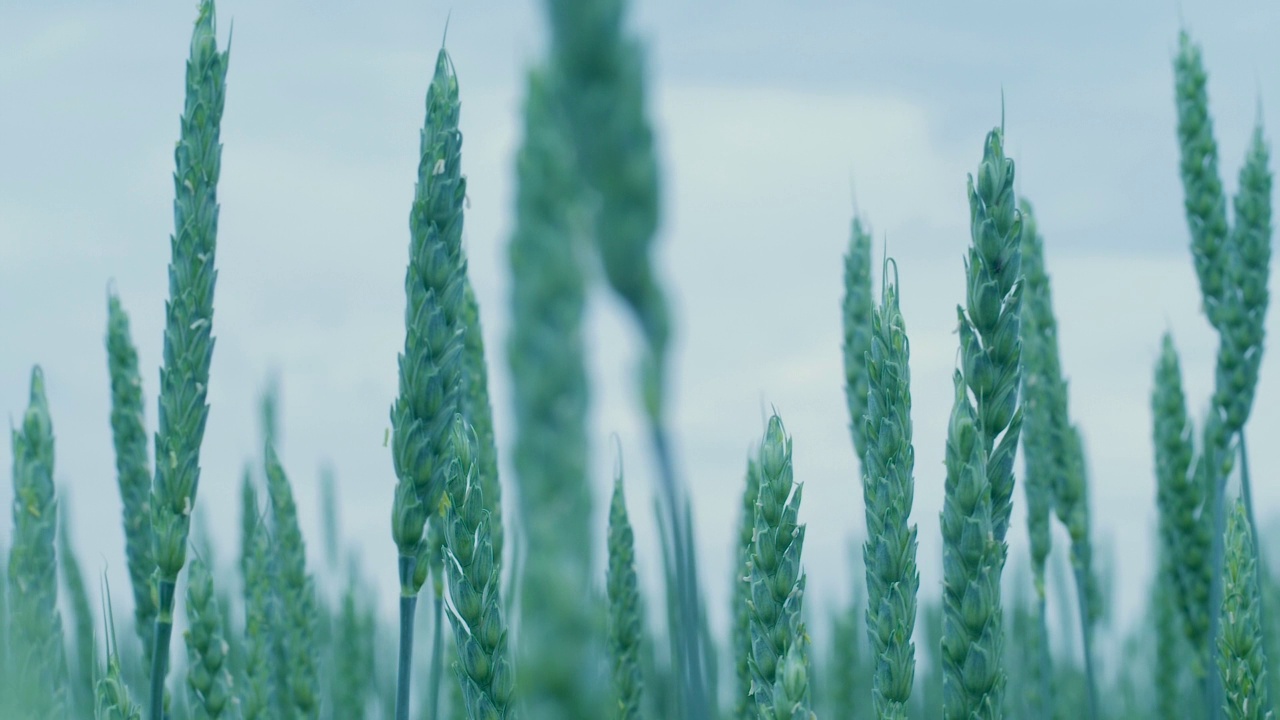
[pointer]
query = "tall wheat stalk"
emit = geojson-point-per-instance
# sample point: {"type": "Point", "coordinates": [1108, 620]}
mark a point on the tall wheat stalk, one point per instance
{"type": "Point", "coordinates": [188, 334]}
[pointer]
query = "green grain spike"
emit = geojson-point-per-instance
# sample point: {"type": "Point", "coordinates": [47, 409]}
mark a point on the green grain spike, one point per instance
{"type": "Point", "coordinates": [779, 652]}
{"type": "Point", "coordinates": [133, 469]}
{"type": "Point", "coordinates": [625, 612]}
{"type": "Point", "coordinates": [973, 680]}
{"type": "Point", "coordinates": [479, 628]}
{"type": "Point", "coordinates": [857, 310]}
{"type": "Point", "coordinates": [1203, 198]}
{"type": "Point", "coordinates": [297, 598]}
{"type": "Point", "coordinates": [208, 673]}
{"type": "Point", "coordinates": [37, 652]}
{"type": "Point", "coordinates": [888, 490]}
{"type": "Point", "coordinates": [188, 338]}
{"type": "Point", "coordinates": [256, 693]}
{"type": "Point", "coordinates": [1242, 661]}
{"type": "Point", "coordinates": [478, 411]}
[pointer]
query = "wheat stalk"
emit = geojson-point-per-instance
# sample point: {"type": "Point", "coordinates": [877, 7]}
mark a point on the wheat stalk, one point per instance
{"type": "Point", "coordinates": [188, 334]}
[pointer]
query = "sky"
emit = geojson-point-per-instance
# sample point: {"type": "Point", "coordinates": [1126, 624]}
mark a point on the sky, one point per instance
{"type": "Point", "coordinates": [772, 120]}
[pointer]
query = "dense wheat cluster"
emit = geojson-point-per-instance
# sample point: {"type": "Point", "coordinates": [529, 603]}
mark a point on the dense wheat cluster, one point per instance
{"type": "Point", "coordinates": [543, 637]}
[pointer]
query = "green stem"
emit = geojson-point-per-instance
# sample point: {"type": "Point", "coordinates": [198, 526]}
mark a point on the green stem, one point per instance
{"type": "Point", "coordinates": [1046, 660]}
{"type": "Point", "coordinates": [1086, 638]}
{"type": "Point", "coordinates": [408, 604]}
{"type": "Point", "coordinates": [160, 654]}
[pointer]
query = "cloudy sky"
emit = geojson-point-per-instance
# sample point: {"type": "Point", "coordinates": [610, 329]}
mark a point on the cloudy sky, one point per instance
{"type": "Point", "coordinates": [771, 118]}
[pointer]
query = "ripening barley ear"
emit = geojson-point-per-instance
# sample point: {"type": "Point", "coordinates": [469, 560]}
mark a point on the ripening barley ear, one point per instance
{"type": "Point", "coordinates": [208, 676]}
{"type": "Point", "coordinates": [779, 643]}
{"type": "Point", "coordinates": [856, 316]}
{"type": "Point", "coordinates": [888, 484]}
{"type": "Point", "coordinates": [743, 706]}
{"type": "Point", "coordinates": [1242, 661]}
{"type": "Point", "coordinates": [625, 614]}
{"type": "Point", "coordinates": [484, 664]}
{"type": "Point", "coordinates": [133, 470]}
{"type": "Point", "coordinates": [188, 335]}
{"type": "Point", "coordinates": [431, 365]}
{"type": "Point", "coordinates": [545, 352]}
{"type": "Point", "coordinates": [297, 598]}
{"type": "Point", "coordinates": [37, 651]}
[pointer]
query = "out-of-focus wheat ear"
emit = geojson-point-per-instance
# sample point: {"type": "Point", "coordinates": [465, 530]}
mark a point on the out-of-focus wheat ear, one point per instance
{"type": "Point", "coordinates": [331, 529]}
{"type": "Point", "coordinates": [37, 648]}
{"type": "Point", "coordinates": [625, 611]}
{"type": "Point", "coordinates": [1242, 661]}
{"type": "Point", "coordinates": [1203, 199]}
{"type": "Point", "coordinates": [209, 683]}
{"type": "Point", "coordinates": [1039, 369]}
{"type": "Point", "coordinates": [1184, 537]}
{"type": "Point", "coordinates": [83, 669]}
{"type": "Point", "coordinates": [478, 410]}
{"type": "Point", "coordinates": [256, 687]}
{"type": "Point", "coordinates": [856, 316]}
{"type": "Point", "coordinates": [188, 334]}
{"type": "Point", "coordinates": [297, 596]}
{"type": "Point", "coordinates": [133, 469]}
{"type": "Point", "coordinates": [545, 350]}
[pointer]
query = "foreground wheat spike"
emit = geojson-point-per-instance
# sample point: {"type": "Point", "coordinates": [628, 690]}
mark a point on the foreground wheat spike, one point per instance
{"type": "Point", "coordinates": [990, 325]}
{"type": "Point", "coordinates": [1184, 532]}
{"type": "Point", "coordinates": [625, 616]}
{"type": "Point", "coordinates": [1204, 201]}
{"type": "Point", "coordinates": [256, 701]}
{"type": "Point", "coordinates": [208, 672]}
{"type": "Point", "coordinates": [1040, 370]}
{"type": "Point", "coordinates": [779, 652]}
{"type": "Point", "coordinates": [188, 334]}
{"type": "Point", "coordinates": [133, 470]}
{"type": "Point", "coordinates": [888, 484]}
{"type": "Point", "coordinates": [743, 706]}
{"type": "Point", "coordinates": [545, 351]}
{"type": "Point", "coordinates": [973, 679]}
{"type": "Point", "coordinates": [479, 628]}
{"type": "Point", "coordinates": [1242, 660]}
{"type": "Point", "coordinates": [857, 309]}
{"type": "Point", "coordinates": [36, 642]}
{"type": "Point", "coordinates": [431, 365]}
{"type": "Point", "coordinates": [297, 600]}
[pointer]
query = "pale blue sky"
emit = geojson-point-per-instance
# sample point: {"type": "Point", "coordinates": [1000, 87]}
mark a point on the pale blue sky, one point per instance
{"type": "Point", "coordinates": [766, 113]}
